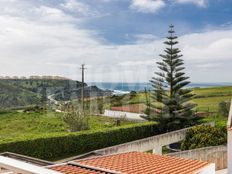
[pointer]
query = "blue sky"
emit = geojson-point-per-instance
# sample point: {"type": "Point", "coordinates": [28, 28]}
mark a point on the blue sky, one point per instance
{"type": "Point", "coordinates": [123, 23]}
{"type": "Point", "coordinates": [118, 40]}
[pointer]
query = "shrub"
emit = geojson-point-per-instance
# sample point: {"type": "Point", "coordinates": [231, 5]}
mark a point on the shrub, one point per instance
{"type": "Point", "coordinates": [204, 136]}
{"type": "Point", "coordinates": [76, 121]}
{"type": "Point", "coordinates": [224, 108]}
{"type": "Point", "coordinates": [59, 145]}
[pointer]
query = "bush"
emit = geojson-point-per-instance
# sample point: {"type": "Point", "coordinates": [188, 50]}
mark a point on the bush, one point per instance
{"type": "Point", "coordinates": [204, 136]}
{"type": "Point", "coordinates": [76, 121]}
{"type": "Point", "coordinates": [224, 108]}
{"type": "Point", "coordinates": [60, 145]}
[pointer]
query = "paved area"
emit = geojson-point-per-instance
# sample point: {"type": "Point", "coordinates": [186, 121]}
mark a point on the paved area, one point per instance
{"type": "Point", "coordinates": [222, 171]}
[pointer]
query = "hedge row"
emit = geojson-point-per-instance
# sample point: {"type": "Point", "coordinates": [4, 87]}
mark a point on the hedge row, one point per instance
{"type": "Point", "coordinates": [56, 146]}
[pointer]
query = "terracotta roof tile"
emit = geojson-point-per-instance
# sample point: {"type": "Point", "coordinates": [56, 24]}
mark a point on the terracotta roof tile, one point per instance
{"type": "Point", "coordinates": [144, 163]}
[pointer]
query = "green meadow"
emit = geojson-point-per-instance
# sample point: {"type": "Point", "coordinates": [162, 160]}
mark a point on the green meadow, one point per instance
{"type": "Point", "coordinates": [15, 124]}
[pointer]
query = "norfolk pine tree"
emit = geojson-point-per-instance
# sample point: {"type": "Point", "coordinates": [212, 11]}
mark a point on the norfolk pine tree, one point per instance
{"type": "Point", "coordinates": [172, 109]}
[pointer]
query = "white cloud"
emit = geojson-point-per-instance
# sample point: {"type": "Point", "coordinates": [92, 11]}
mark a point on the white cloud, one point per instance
{"type": "Point", "coordinates": [147, 6]}
{"type": "Point", "coordinates": [200, 3]}
{"type": "Point", "coordinates": [78, 7]}
{"type": "Point", "coordinates": [209, 65]}
{"type": "Point", "coordinates": [47, 41]}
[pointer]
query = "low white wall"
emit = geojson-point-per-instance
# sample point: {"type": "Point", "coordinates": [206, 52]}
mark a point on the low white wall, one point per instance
{"type": "Point", "coordinates": [229, 146]}
{"type": "Point", "coordinates": [214, 154]}
{"type": "Point", "coordinates": [120, 114]}
{"type": "Point", "coordinates": [229, 140]}
{"type": "Point", "coordinates": [210, 169]}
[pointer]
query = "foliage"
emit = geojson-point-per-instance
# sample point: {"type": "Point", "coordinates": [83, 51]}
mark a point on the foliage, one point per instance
{"type": "Point", "coordinates": [212, 103]}
{"type": "Point", "coordinates": [59, 145]}
{"type": "Point", "coordinates": [204, 136]}
{"type": "Point", "coordinates": [33, 109]}
{"type": "Point", "coordinates": [132, 94]}
{"type": "Point", "coordinates": [75, 119]}
{"type": "Point", "coordinates": [224, 108]}
{"type": "Point", "coordinates": [15, 124]}
{"type": "Point", "coordinates": [169, 89]}
{"type": "Point", "coordinates": [24, 92]}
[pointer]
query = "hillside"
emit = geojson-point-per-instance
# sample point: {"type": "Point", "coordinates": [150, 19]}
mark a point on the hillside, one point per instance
{"type": "Point", "coordinates": [24, 92]}
{"type": "Point", "coordinates": [12, 96]}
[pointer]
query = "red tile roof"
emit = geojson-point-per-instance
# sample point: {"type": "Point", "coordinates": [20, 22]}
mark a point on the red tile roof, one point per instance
{"type": "Point", "coordinates": [135, 163]}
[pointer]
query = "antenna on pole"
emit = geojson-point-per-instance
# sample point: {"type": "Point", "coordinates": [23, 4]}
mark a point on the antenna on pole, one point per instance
{"type": "Point", "coordinates": [82, 86]}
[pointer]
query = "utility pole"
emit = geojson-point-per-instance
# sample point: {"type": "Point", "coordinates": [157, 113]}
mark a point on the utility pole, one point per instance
{"type": "Point", "coordinates": [82, 86]}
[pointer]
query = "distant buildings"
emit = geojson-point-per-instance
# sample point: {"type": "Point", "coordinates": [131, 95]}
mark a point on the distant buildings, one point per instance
{"type": "Point", "coordinates": [36, 77]}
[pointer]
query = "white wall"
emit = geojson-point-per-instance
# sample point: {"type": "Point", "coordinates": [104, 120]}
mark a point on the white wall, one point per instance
{"type": "Point", "coordinates": [229, 140]}
{"type": "Point", "coordinates": [120, 114]}
{"type": "Point", "coordinates": [210, 169]}
{"type": "Point", "coordinates": [229, 144]}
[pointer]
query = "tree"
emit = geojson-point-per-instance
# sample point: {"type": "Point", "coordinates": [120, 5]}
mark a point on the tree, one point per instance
{"type": "Point", "coordinates": [172, 109]}
{"type": "Point", "coordinates": [44, 97]}
{"type": "Point", "coordinates": [224, 108]}
{"type": "Point", "coordinates": [75, 119]}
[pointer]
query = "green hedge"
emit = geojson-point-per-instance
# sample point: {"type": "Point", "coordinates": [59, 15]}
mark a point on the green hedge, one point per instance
{"type": "Point", "coordinates": [56, 146]}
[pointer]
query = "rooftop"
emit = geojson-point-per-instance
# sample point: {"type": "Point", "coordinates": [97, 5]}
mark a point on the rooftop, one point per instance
{"type": "Point", "coordinates": [132, 163]}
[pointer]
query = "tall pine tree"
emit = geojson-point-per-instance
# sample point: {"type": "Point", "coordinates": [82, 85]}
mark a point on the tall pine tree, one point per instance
{"type": "Point", "coordinates": [173, 109]}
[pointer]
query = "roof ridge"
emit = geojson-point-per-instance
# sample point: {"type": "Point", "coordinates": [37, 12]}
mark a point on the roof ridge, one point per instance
{"type": "Point", "coordinates": [105, 155]}
{"type": "Point", "coordinates": [94, 168]}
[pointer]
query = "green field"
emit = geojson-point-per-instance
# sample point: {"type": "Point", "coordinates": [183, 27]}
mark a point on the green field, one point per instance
{"type": "Point", "coordinates": [210, 103]}
{"type": "Point", "coordinates": [18, 123]}
{"type": "Point", "coordinates": [206, 98]}
{"type": "Point", "coordinates": [15, 124]}
{"type": "Point", "coordinates": [213, 91]}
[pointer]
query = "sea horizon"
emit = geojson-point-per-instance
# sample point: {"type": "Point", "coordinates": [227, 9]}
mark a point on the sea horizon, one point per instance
{"type": "Point", "coordinates": [126, 87]}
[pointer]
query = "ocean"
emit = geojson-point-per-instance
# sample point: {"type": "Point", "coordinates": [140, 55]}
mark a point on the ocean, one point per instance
{"type": "Point", "coordinates": [121, 88]}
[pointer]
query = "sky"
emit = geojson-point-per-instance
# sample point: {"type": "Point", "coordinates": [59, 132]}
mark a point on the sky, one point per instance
{"type": "Point", "coordinates": [117, 40]}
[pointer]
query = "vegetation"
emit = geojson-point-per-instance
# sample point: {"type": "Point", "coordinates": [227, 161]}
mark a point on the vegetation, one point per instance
{"type": "Point", "coordinates": [224, 108]}
{"type": "Point", "coordinates": [53, 146]}
{"type": "Point", "coordinates": [23, 92]}
{"type": "Point", "coordinates": [75, 119]}
{"type": "Point", "coordinates": [16, 124]}
{"type": "Point", "coordinates": [204, 136]}
{"type": "Point", "coordinates": [174, 109]}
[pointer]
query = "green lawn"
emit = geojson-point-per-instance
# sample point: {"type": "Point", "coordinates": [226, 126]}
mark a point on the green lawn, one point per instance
{"type": "Point", "coordinates": [211, 102]}
{"type": "Point", "coordinates": [18, 123]}
{"type": "Point", "coordinates": [213, 91]}
{"type": "Point", "coordinates": [206, 98]}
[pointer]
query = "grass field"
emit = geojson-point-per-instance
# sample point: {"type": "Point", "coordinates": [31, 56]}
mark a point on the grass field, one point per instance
{"type": "Point", "coordinates": [206, 98]}
{"type": "Point", "coordinates": [210, 103]}
{"type": "Point", "coordinates": [213, 91]}
{"type": "Point", "coordinates": [18, 123]}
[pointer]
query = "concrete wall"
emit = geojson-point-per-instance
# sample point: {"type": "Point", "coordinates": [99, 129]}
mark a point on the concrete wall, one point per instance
{"type": "Point", "coordinates": [154, 143]}
{"type": "Point", "coordinates": [229, 145]}
{"type": "Point", "coordinates": [229, 139]}
{"type": "Point", "coordinates": [210, 169]}
{"type": "Point", "coordinates": [214, 154]}
{"type": "Point", "coordinates": [120, 114]}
